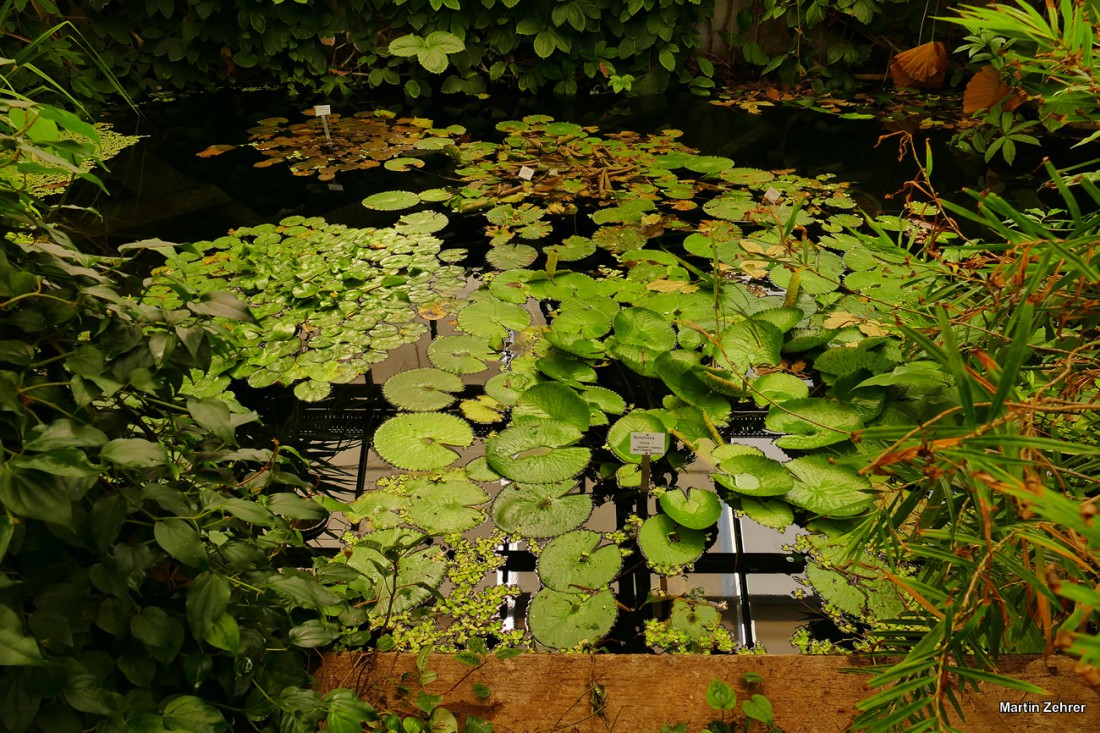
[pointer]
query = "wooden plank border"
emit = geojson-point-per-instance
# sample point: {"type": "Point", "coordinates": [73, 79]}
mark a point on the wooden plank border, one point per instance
{"type": "Point", "coordinates": [554, 693]}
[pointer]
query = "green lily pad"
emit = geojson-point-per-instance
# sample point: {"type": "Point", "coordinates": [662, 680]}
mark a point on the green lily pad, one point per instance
{"type": "Point", "coordinates": [403, 164]}
{"type": "Point", "coordinates": [565, 368]}
{"type": "Point", "coordinates": [698, 509]}
{"type": "Point", "coordinates": [539, 452]}
{"type": "Point", "coordinates": [784, 317]}
{"type": "Point", "coordinates": [708, 164]}
{"type": "Point", "coordinates": [812, 423]}
{"type": "Point", "coordinates": [391, 200]}
{"type": "Point", "coordinates": [754, 475]}
{"type": "Point", "coordinates": [605, 399]}
{"type": "Point", "coordinates": [551, 401]}
{"type": "Point", "coordinates": [774, 513]}
{"type": "Point", "coordinates": [422, 441]}
{"type": "Point", "coordinates": [827, 489]}
{"type": "Point", "coordinates": [312, 390]}
{"type": "Point", "coordinates": [540, 510]}
{"type": "Point", "coordinates": [493, 319]}
{"type": "Point", "coordinates": [445, 507]}
{"type": "Point", "coordinates": [619, 238]}
{"type": "Point", "coordinates": [747, 176]}
{"type": "Point", "coordinates": [422, 390]}
{"type": "Point", "coordinates": [667, 544]}
{"type": "Point", "coordinates": [694, 619]}
{"type": "Point", "coordinates": [507, 387]}
{"type": "Point", "coordinates": [747, 344]}
{"type": "Point", "coordinates": [571, 562]}
{"type": "Point", "coordinates": [572, 249]}
{"type": "Point", "coordinates": [461, 354]}
{"type": "Point", "coordinates": [778, 387]}
{"type": "Point", "coordinates": [637, 421]}
{"type": "Point", "coordinates": [483, 410]}
{"type": "Point", "coordinates": [380, 509]}
{"type": "Point", "coordinates": [478, 470]}
{"type": "Point", "coordinates": [511, 256]}
{"type": "Point", "coordinates": [564, 620]}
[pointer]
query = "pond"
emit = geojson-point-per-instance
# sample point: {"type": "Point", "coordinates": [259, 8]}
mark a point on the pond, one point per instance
{"type": "Point", "coordinates": [466, 313]}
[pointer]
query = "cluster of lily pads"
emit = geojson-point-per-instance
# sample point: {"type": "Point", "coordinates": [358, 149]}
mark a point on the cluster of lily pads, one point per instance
{"type": "Point", "coordinates": [328, 301]}
{"type": "Point", "coordinates": [731, 289]}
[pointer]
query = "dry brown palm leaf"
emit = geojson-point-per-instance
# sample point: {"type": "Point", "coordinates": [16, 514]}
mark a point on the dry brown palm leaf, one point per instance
{"type": "Point", "coordinates": [985, 89]}
{"type": "Point", "coordinates": [922, 67]}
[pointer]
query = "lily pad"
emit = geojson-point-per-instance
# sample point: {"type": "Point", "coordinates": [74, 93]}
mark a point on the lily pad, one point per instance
{"type": "Point", "coordinates": [422, 390]}
{"type": "Point", "coordinates": [564, 620]}
{"type": "Point", "coordinates": [511, 256]}
{"type": "Point", "coordinates": [461, 354]}
{"type": "Point", "coordinates": [754, 476]}
{"type": "Point", "coordinates": [538, 452]}
{"type": "Point", "coordinates": [827, 489]}
{"type": "Point", "coordinates": [483, 410]}
{"type": "Point", "coordinates": [391, 200]}
{"type": "Point", "coordinates": [667, 544]}
{"type": "Point", "coordinates": [493, 319]}
{"type": "Point", "coordinates": [422, 441]}
{"type": "Point", "coordinates": [571, 562]}
{"type": "Point", "coordinates": [551, 401]}
{"type": "Point", "coordinates": [698, 509]}
{"type": "Point", "coordinates": [778, 387]}
{"type": "Point", "coordinates": [379, 508]}
{"type": "Point", "coordinates": [572, 249]}
{"type": "Point", "coordinates": [478, 470]}
{"type": "Point", "coordinates": [812, 423]}
{"type": "Point", "coordinates": [638, 421]}
{"type": "Point", "coordinates": [445, 507]}
{"type": "Point", "coordinates": [694, 619]}
{"type": "Point", "coordinates": [774, 513]}
{"type": "Point", "coordinates": [419, 572]}
{"type": "Point", "coordinates": [507, 387]}
{"type": "Point", "coordinates": [312, 390]}
{"type": "Point", "coordinates": [540, 510]}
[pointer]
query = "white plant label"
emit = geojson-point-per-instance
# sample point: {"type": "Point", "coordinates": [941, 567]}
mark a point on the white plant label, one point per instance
{"type": "Point", "coordinates": [322, 109]}
{"type": "Point", "coordinates": [772, 195]}
{"type": "Point", "coordinates": [526, 173]}
{"type": "Point", "coordinates": [335, 187]}
{"type": "Point", "coordinates": [647, 444]}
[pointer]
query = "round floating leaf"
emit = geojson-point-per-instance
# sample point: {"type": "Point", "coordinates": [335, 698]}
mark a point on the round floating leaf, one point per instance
{"type": "Point", "coordinates": [403, 164]}
{"type": "Point", "coordinates": [747, 176]}
{"type": "Point", "coordinates": [511, 286]}
{"type": "Point", "coordinates": [638, 421]}
{"type": "Point", "coordinates": [821, 275]}
{"type": "Point", "coordinates": [708, 164]}
{"type": "Point", "coordinates": [422, 441]}
{"type": "Point", "coordinates": [778, 387]}
{"type": "Point", "coordinates": [461, 354]}
{"type": "Point", "coordinates": [774, 513]}
{"type": "Point", "coordinates": [422, 390]}
{"type": "Point", "coordinates": [732, 206]}
{"type": "Point", "coordinates": [694, 619]}
{"type": "Point", "coordinates": [784, 318]}
{"type": "Point", "coordinates": [511, 256]}
{"type": "Point", "coordinates": [572, 249]}
{"type": "Point", "coordinates": [391, 200]}
{"type": "Point", "coordinates": [378, 508]}
{"type": "Point", "coordinates": [538, 452]}
{"type": "Point", "coordinates": [754, 475]}
{"type": "Point", "coordinates": [572, 561]}
{"type": "Point", "coordinates": [564, 620]}
{"type": "Point", "coordinates": [698, 509]}
{"type": "Point", "coordinates": [419, 573]}
{"type": "Point", "coordinates": [425, 222]}
{"type": "Point", "coordinates": [492, 318]}
{"type": "Point", "coordinates": [447, 507]}
{"type": "Point", "coordinates": [827, 489]}
{"type": "Point", "coordinates": [605, 399]}
{"type": "Point", "coordinates": [666, 544]}
{"type": "Point", "coordinates": [585, 318]}
{"type": "Point", "coordinates": [551, 401]}
{"type": "Point", "coordinates": [619, 238]}
{"type": "Point", "coordinates": [812, 423]}
{"type": "Point", "coordinates": [540, 510]}
{"type": "Point", "coordinates": [483, 410]}
{"type": "Point", "coordinates": [747, 344]}
{"type": "Point", "coordinates": [312, 390]}
{"type": "Point", "coordinates": [478, 470]}
{"type": "Point", "coordinates": [507, 387]}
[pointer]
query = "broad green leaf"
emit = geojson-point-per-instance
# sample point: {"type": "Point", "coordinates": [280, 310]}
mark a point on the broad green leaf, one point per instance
{"type": "Point", "coordinates": [572, 561]}
{"type": "Point", "coordinates": [213, 414]}
{"type": "Point", "coordinates": [540, 510]}
{"type": "Point", "coordinates": [697, 509]}
{"type": "Point", "coordinates": [207, 600]}
{"type": "Point", "coordinates": [422, 441]}
{"type": "Point", "coordinates": [721, 696]}
{"type": "Point", "coordinates": [134, 453]}
{"type": "Point", "coordinates": [180, 540]}
{"type": "Point", "coordinates": [537, 453]}
{"type": "Point", "coordinates": [564, 620]}
{"type": "Point", "coordinates": [812, 423]}
{"type": "Point", "coordinates": [668, 545]}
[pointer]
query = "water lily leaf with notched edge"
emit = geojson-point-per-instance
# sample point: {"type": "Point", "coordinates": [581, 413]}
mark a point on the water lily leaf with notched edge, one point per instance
{"type": "Point", "coordinates": [747, 176]}
{"type": "Point", "coordinates": [778, 387]}
{"type": "Point", "coordinates": [391, 200]}
{"type": "Point", "coordinates": [511, 256]}
{"type": "Point", "coordinates": [812, 423]}
{"type": "Point", "coordinates": [419, 572]}
{"type": "Point", "coordinates": [422, 390]}
{"type": "Point", "coordinates": [312, 390]}
{"type": "Point", "coordinates": [784, 317]}
{"type": "Point", "coordinates": [694, 619]}
{"type": "Point", "coordinates": [461, 354]}
{"type": "Point", "coordinates": [605, 399]}
{"type": "Point", "coordinates": [680, 372]}
{"type": "Point", "coordinates": [540, 510]}
{"type": "Point", "coordinates": [483, 410]}
{"type": "Point", "coordinates": [698, 509]}
{"type": "Point", "coordinates": [586, 318]}
{"type": "Point", "coordinates": [638, 421]}
{"type": "Point", "coordinates": [821, 275]}
{"type": "Point", "coordinates": [445, 507]}
{"type": "Point", "coordinates": [492, 318]}
{"type": "Point", "coordinates": [422, 441]}
{"type": "Point", "coordinates": [572, 249]}
{"type": "Point", "coordinates": [564, 620]}
{"type": "Point", "coordinates": [774, 513]}
{"type": "Point", "coordinates": [754, 475]}
{"type": "Point", "coordinates": [537, 453]}
{"type": "Point", "coordinates": [571, 562]}
{"type": "Point", "coordinates": [667, 544]}
{"type": "Point", "coordinates": [478, 470]}
{"type": "Point", "coordinates": [551, 401]}
{"type": "Point", "coordinates": [640, 337]}
{"type": "Point", "coordinates": [377, 507]}
{"type": "Point", "coordinates": [507, 387]}
{"type": "Point", "coordinates": [708, 164]}
{"type": "Point", "coordinates": [565, 368]}
{"type": "Point", "coordinates": [747, 344]}
{"type": "Point", "coordinates": [827, 489]}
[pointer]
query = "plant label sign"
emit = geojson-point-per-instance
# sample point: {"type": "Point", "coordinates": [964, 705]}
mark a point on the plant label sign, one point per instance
{"type": "Point", "coordinates": [772, 195]}
{"type": "Point", "coordinates": [321, 110]}
{"type": "Point", "coordinates": [526, 173]}
{"type": "Point", "coordinates": [647, 444]}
